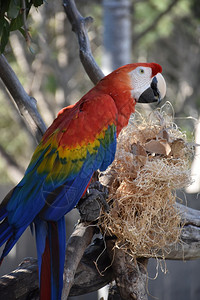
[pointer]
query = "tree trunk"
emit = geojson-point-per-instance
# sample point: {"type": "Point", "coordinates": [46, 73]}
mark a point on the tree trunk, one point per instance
{"type": "Point", "coordinates": [117, 34]}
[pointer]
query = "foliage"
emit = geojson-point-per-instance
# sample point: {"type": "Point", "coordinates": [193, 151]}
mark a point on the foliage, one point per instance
{"type": "Point", "coordinates": [53, 73]}
{"type": "Point", "coordinates": [13, 14]}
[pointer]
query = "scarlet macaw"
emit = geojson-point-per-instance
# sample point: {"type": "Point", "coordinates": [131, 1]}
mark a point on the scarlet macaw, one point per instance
{"type": "Point", "coordinates": [81, 140]}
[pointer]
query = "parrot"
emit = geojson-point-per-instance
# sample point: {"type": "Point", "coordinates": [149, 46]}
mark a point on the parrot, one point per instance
{"type": "Point", "coordinates": [81, 140]}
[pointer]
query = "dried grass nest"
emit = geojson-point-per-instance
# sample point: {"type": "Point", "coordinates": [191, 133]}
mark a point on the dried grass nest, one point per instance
{"type": "Point", "coordinates": [152, 161]}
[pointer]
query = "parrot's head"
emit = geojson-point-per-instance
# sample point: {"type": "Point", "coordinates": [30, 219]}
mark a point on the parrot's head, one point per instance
{"type": "Point", "coordinates": [142, 81]}
{"type": "Point", "coordinates": [147, 83]}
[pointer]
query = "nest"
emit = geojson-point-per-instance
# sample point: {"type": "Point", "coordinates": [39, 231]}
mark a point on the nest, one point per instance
{"type": "Point", "coordinates": [152, 161]}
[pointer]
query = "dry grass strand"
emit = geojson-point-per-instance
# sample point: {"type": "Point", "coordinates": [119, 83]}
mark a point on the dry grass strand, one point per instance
{"type": "Point", "coordinates": [152, 160]}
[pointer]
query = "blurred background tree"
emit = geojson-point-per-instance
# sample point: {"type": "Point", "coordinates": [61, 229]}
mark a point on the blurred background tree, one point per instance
{"type": "Point", "coordinates": [167, 32]}
{"type": "Point", "coordinates": [48, 66]}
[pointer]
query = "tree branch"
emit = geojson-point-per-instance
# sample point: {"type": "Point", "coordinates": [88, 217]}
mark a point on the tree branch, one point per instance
{"type": "Point", "coordinates": [78, 242]}
{"type": "Point", "coordinates": [23, 282]}
{"type": "Point", "coordinates": [189, 246]}
{"type": "Point", "coordinates": [80, 26]}
{"type": "Point", "coordinates": [130, 275]}
{"type": "Point", "coordinates": [26, 104]}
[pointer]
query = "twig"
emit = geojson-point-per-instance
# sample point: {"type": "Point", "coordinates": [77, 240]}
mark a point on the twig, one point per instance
{"type": "Point", "coordinates": [26, 104]}
{"type": "Point", "coordinates": [79, 26]}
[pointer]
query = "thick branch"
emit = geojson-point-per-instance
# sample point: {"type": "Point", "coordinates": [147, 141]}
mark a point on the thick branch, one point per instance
{"type": "Point", "coordinates": [189, 248]}
{"type": "Point", "coordinates": [76, 246]}
{"type": "Point", "coordinates": [25, 103]}
{"type": "Point", "coordinates": [23, 281]}
{"type": "Point", "coordinates": [94, 270]}
{"type": "Point", "coordinates": [130, 275]}
{"type": "Point", "coordinates": [79, 26]}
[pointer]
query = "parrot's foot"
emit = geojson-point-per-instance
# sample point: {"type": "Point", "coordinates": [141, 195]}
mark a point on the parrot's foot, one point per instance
{"type": "Point", "coordinates": [101, 193]}
{"type": "Point", "coordinates": [90, 205]}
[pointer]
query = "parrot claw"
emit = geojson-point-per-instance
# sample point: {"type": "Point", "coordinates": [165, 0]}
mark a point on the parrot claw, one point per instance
{"type": "Point", "coordinates": [90, 205]}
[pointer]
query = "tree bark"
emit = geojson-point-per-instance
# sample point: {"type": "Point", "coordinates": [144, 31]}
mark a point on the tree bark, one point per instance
{"type": "Point", "coordinates": [80, 239]}
{"type": "Point", "coordinates": [130, 275]}
{"type": "Point", "coordinates": [26, 104]}
{"type": "Point", "coordinates": [80, 26]}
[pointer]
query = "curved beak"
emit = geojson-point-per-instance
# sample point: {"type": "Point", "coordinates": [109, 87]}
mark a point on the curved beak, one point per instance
{"type": "Point", "coordinates": [156, 92]}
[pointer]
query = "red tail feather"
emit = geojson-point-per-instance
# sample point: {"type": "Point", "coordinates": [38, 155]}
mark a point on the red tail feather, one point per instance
{"type": "Point", "coordinates": [45, 284]}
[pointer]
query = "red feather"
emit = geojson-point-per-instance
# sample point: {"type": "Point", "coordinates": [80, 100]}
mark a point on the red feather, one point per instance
{"type": "Point", "coordinates": [45, 282]}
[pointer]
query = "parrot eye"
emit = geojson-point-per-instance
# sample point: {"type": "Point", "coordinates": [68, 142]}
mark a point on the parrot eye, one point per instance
{"type": "Point", "coordinates": [141, 71]}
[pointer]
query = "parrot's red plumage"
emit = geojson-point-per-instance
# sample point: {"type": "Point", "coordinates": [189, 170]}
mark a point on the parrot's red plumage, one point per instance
{"type": "Point", "coordinates": [81, 140]}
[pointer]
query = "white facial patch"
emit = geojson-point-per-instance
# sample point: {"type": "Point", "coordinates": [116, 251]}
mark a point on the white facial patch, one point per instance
{"type": "Point", "coordinates": [140, 81]}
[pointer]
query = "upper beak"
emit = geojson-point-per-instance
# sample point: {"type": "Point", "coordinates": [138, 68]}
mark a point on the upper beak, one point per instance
{"type": "Point", "coordinates": [156, 92]}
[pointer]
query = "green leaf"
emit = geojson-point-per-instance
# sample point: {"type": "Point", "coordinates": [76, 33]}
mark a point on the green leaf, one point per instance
{"type": "Point", "coordinates": [2, 20]}
{"type": "Point", "coordinates": [14, 9]}
{"type": "Point", "coordinates": [37, 3]}
{"type": "Point", "coordinates": [5, 36]}
{"type": "Point", "coordinates": [16, 23]}
{"type": "Point", "coordinates": [22, 32]}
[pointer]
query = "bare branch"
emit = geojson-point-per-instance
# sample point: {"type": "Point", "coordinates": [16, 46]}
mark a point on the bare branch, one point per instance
{"type": "Point", "coordinates": [24, 280]}
{"type": "Point", "coordinates": [25, 103]}
{"type": "Point", "coordinates": [88, 278]}
{"type": "Point", "coordinates": [190, 236]}
{"type": "Point", "coordinates": [94, 270]}
{"type": "Point", "coordinates": [21, 283]}
{"type": "Point", "coordinates": [79, 26]}
{"type": "Point", "coordinates": [17, 117]}
{"type": "Point", "coordinates": [78, 242]}
{"type": "Point", "coordinates": [130, 275]}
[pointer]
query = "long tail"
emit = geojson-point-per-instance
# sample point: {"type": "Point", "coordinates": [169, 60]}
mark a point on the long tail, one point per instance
{"type": "Point", "coordinates": [50, 239]}
{"type": "Point", "coordinates": [8, 233]}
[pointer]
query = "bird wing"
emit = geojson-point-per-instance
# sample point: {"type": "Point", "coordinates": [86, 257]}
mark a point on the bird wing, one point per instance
{"type": "Point", "coordinates": [81, 140]}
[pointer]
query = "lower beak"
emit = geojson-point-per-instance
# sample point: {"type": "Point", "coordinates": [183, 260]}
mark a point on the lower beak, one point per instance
{"type": "Point", "coordinates": [156, 91]}
{"type": "Point", "coordinates": [148, 96]}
